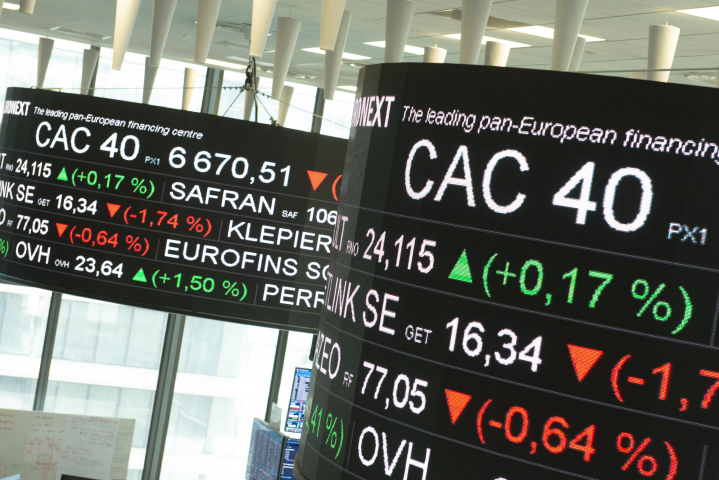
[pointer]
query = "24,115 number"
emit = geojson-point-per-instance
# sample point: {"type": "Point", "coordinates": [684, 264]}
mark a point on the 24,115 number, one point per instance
{"type": "Point", "coordinates": [400, 244]}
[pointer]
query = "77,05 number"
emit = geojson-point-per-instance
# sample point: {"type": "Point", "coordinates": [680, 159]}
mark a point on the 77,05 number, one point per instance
{"type": "Point", "coordinates": [401, 392]}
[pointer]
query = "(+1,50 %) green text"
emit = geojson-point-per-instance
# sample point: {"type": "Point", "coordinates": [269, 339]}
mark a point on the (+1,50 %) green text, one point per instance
{"type": "Point", "coordinates": [193, 283]}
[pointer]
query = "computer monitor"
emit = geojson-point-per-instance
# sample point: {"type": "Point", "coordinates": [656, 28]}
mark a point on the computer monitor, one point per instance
{"type": "Point", "coordinates": [298, 400]}
{"type": "Point", "coordinates": [292, 446]}
{"type": "Point", "coordinates": [266, 449]}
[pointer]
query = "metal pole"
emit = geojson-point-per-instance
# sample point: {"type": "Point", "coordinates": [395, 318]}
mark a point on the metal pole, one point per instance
{"type": "Point", "coordinates": [254, 92]}
{"type": "Point", "coordinates": [163, 397]}
{"type": "Point", "coordinates": [47, 348]}
{"type": "Point", "coordinates": [212, 91]}
{"type": "Point", "coordinates": [318, 111]}
{"type": "Point", "coordinates": [277, 372]}
{"type": "Point", "coordinates": [91, 91]}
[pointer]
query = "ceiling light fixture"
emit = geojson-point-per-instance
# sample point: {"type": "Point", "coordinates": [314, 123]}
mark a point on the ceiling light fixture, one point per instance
{"type": "Point", "coordinates": [711, 13]}
{"type": "Point", "coordinates": [546, 32]}
{"type": "Point", "coordinates": [703, 77]}
{"type": "Point", "coordinates": [348, 56]}
{"type": "Point", "coordinates": [511, 44]}
{"type": "Point", "coordinates": [220, 63]}
{"type": "Point", "coordinates": [407, 48]}
{"type": "Point", "coordinates": [11, 6]}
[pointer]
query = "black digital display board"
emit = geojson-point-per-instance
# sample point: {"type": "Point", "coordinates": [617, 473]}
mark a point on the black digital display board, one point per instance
{"type": "Point", "coordinates": [524, 281]}
{"type": "Point", "coordinates": [165, 209]}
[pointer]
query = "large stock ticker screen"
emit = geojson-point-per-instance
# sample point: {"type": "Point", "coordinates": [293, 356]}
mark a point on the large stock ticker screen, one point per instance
{"type": "Point", "coordinates": [165, 209]}
{"type": "Point", "coordinates": [524, 282]}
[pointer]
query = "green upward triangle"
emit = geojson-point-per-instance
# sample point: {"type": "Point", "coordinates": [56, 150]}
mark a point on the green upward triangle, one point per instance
{"type": "Point", "coordinates": [461, 270]}
{"type": "Point", "coordinates": [63, 175]}
{"type": "Point", "coordinates": [139, 276]}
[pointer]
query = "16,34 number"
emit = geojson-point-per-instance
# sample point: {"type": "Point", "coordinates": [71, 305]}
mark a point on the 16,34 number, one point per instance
{"type": "Point", "coordinates": [66, 202]}
{"type": "Point", "coordinates": [472, 344]}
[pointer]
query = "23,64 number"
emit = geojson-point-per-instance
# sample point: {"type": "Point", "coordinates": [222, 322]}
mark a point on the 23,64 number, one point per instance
{"type": "Point", "coordinates": [88, 264]}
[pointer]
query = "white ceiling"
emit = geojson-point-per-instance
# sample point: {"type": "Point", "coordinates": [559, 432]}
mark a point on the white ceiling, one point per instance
{"type": "Point", "coordinates": [623, 23]}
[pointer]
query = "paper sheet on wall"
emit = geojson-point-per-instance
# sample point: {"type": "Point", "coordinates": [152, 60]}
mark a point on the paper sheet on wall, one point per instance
{"type": "Point", "coordinates": [88, 447]}
{"type": "Point", "coordinates": [42, 445]}
{"type": "Point", "coordinates": [13, 427]}
{"type": "Point", "coordinates": [123, 448]}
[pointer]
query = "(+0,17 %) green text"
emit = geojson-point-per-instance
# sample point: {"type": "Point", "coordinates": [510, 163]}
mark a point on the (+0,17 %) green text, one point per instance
{"type": "Point", "coordinates": [111, 181]}
{"type": "Point", "coordinates": [530, 279]}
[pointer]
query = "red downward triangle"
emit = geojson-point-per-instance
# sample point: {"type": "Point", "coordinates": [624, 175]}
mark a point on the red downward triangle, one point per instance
{"type": "Point", "coordinates": [113, 208]}
{"type": "Point", "coordinates": [456, 401]}
{"type": "Point", "coordinates": [316, 178]}
{"type": "Point", "coordinates": [583, 359]}
{"type": "Point", "coordinates": [60, 229]}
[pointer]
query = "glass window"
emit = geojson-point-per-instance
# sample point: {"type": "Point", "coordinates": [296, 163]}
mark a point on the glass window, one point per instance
{"type": "Point", "coordinates": [105, 362]}
{"type": "Point", "coordinates": [127, 84]}
{"type": "Point", "coordinates": [337, 117]}
{"type": "Point", "coordinates": [222, 384]}
{"type": "Point", "coordinates": [23, 318]}
{"type": "Point", "coordinates": [18, 51]}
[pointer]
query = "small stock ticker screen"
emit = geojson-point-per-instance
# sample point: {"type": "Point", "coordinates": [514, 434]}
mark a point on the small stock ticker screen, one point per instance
{"type": "Point", "coordinates": [524, 281]}
{"type": "Point", "coordinates": [166, 209]}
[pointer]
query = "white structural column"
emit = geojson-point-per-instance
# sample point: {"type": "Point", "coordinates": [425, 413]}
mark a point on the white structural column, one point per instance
{"type": "Point", "coordinates": [262, 13]}
{"type": "Point", "coordinates": [162, 12]}
{"type": "Point", "coordinates": [475, 14]}
{"type": "Point", "coordinates": [125, 16]}
{"type": "Point", "coordinates": [434, 55]}
{"type": "Point", "coordinates": [250, 101]}
{"type": "Point", "coordinates": [496, 54]}
{"type": "Point", "coordinates": [189, 88]}
{"type": "Point", "coordinates": [288, 30]}
{"type": "Point", "coordinates": [285, 100]}
{"type": "Point", "coordinates": [89, 60]}
{"type": "Point", "coordinates": [398, 22]}
{"type": "Point", "coordinates": [333, 58]}
{"type": "Point", "coordinates": [44, 51]}
{"type": "Point", "coordinates": [27, 6]}
{"type": "Point", "coordinates": [578, 53]}
{"type": "Point", "coordinates": [662, 45]}
{"type": "Point", "coordinates": [332, 12]}
{"type": "Point", "coordinates": [717, 79]}
{"type": "Point", "coordinates": [150, 74]}
{"type": "Point", "coordinates": [567, 23]}
{"type": "Point", "coordinates": [208, 11]}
